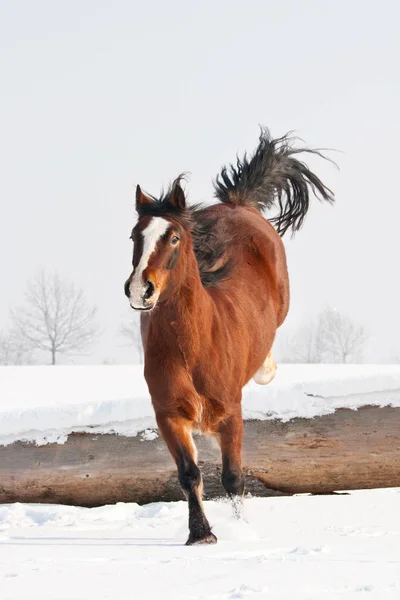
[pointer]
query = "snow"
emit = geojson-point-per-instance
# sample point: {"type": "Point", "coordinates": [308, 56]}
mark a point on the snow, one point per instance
{"type": "Point", "coordinates": [304, 547]}
{"type": "Point", "coordinates": [45, 404]}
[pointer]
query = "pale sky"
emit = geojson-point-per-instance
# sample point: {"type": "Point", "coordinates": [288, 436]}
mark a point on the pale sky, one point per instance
{"type": "Point", "coordinates": [99, 96]}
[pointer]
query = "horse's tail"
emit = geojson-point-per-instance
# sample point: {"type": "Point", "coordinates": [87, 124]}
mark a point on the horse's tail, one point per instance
{"type": "Point", "coordinates": [273, 177]}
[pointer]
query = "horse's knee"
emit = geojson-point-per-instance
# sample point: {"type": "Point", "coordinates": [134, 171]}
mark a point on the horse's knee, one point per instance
{"type": "Point", "coordinates": [189, 476]}
{"type": "Point", "coordinates": [233, 481]}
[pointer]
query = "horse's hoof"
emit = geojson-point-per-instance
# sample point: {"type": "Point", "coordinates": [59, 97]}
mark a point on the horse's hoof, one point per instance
{"type": "Point", "coordinates": [209, 539]}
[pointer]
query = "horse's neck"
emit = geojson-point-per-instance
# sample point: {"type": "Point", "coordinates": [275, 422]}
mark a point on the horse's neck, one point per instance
{"type": "Point", "coordinates": [184, 316]}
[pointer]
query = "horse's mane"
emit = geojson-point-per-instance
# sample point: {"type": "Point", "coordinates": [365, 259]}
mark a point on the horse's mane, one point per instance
{"type": "Point", "coordinates": [208, 247]}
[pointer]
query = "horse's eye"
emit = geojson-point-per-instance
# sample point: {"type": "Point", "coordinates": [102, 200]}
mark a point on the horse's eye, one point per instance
{"type": "Point", "coordinates": [174, 240]}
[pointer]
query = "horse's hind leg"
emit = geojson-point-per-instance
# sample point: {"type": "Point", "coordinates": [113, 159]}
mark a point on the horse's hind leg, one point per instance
{"type": "Point", "coordinates": [230, 438]}
{"type": "Point", "coordinates": [267, 371]}
{"type": "Point", "coordinates": [178, 437]}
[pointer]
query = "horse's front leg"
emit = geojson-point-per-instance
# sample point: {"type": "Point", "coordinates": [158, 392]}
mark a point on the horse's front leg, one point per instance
{"type": "Point", "coordinates": [230, 437]}
{"type": "Point", "coordinates": [177, 434]}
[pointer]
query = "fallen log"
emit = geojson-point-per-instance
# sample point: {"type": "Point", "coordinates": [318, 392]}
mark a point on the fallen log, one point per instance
{"type": "Point", "coordinates": [345, 450]}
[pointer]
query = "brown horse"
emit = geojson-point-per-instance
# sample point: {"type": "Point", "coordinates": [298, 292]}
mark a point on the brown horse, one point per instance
{"type": "Point", "coordinates": [213, 287]}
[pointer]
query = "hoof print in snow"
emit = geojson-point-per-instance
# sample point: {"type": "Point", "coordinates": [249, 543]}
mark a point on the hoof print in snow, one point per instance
{"type": "Point", "coordinates": [209, 539]}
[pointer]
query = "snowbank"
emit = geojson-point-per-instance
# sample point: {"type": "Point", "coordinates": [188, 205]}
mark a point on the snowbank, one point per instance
{"type": "Point", "coordinates": [45, 404]}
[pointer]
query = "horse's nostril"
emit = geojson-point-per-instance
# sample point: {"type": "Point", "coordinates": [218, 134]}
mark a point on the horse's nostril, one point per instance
{"type": "Point", "coordinates": [126, 289]}
{"type": "Point", "coordinates": [149, 285]}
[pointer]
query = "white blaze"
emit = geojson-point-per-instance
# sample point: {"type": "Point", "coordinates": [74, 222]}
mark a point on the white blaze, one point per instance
{"type": "Point", "coordinates": [151, 235]}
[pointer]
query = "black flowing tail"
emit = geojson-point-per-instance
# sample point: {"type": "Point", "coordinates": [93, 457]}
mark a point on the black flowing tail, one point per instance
{"type": "Point", "coordinates": [273, 177]}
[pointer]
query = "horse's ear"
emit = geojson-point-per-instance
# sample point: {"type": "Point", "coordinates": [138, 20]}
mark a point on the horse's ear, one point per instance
{"type": "Point", "coordinates": [177, 197]}
{"type": "Point", "coordinates": [141, 199]}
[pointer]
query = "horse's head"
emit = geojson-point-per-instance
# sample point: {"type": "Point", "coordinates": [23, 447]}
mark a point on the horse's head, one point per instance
{"type": "Point", "coordinates": [159, 237]}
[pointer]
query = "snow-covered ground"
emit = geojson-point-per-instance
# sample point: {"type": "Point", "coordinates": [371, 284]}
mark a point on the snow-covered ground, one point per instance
{"type": "Point", "coordinates": [304, 547]}
{"type": "Point", "coordinates": [45, 404]}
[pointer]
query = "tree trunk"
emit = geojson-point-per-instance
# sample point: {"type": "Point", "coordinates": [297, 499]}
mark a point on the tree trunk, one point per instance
{"type": "Point", "coordinates": [342, 451]}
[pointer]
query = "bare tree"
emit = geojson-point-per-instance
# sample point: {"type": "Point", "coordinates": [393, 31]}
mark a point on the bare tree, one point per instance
{"type": "Point", "coordinates": [55, 318]}
{"type": "Point", "coordinates": [13, 351]}
{"type": "Point", "coordinates": [343, 340]}
{"type": "Point", "coordinates": [294, 347]}
{"type": "Point", "coordinates": [306, 345]}
{"type": "Point", "coordinates": [331, 337]}
{"type": "Point", "coordinates": [131, 332]}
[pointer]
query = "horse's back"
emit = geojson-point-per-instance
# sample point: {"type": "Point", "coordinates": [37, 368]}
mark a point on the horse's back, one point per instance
{"type": "Point", "coordinates": [251, 244]}
{"type": "Point", "coordinates": [253, 299]}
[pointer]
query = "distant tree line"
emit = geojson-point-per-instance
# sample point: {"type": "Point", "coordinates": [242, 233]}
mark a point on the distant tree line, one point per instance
{"type": "Point", "coordinates": [55, 320]}
{"type": "Point", "coordinates": [332, 337]}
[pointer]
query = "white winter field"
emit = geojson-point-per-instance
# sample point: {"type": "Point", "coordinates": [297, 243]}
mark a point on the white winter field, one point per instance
{"type": "Point", "coordinates": [303, 547]}
{"type": "Point", "coordinates": [344, 546]}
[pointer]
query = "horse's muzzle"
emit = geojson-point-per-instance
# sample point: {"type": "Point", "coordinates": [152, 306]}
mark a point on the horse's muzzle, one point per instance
{"type": "Point", "coordinates": [143, 296]}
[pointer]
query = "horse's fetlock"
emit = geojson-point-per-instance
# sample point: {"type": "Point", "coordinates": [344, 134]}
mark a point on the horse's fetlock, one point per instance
{"type": "Point", "coordinates": [233, 481]}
